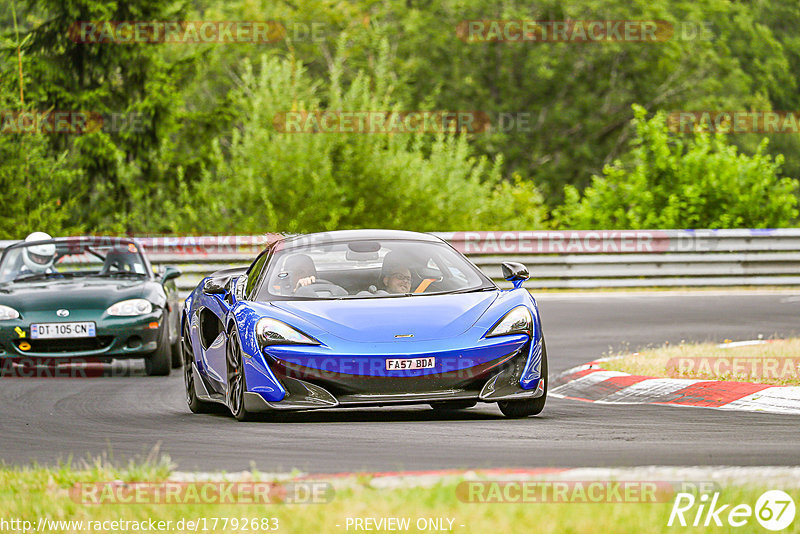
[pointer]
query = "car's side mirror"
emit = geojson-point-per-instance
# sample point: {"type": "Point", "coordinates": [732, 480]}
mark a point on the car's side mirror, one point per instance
{"type": "Point", "coordinates": [170, 273]}
{"type": "Point", "coordinates": [213, 286]}
{"type": "Point", "coordinates": [515, 272]}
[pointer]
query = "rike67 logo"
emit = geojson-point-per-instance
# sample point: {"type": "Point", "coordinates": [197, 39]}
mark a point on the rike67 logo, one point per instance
{"type": "Point", "coordinates": [774, 510]}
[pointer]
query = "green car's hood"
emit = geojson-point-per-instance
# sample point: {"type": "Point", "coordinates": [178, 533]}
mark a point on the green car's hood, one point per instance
{"type": "Point", "coordinates": [72, 294]}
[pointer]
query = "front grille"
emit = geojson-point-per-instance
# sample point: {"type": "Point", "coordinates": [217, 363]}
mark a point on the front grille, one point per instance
{"type": "Point", "coordinates": [341, 384]}
{"type": "Point", "coordinates": [66, 345]}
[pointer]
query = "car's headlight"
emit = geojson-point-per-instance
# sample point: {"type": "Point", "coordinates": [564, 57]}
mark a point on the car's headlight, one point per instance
{"type": "Point", "coordinates": [7, 313]}
{"type": "Point", "coordinates": [516, 321]}
{"type": "Point", "coordinates": [130, 308]}
{"type": "Point", "coordinates": [274, 332]}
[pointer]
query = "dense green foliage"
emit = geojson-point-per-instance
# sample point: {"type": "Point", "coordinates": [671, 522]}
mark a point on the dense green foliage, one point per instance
{"type": "Point", "coordinates": [294, 182]}
{"type": "Point", "coordinates": [669, 182]}
{"type": "Point", "coordinates": [37, 184]}
{"type": "Point", "coordinates": [207, 156]}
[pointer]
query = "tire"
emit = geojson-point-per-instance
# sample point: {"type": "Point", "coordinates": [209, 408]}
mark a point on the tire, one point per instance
{"type": "Point", "coordinates": [159, 362]}
{"type": "Point", "coordinates": [451, 406]}
{"type": "Point", "coordinates": [236, 381]}
{"type": "Point", "coordinates": [187, 355]}
{"type": "Point", "coordinates": [176, 350]}
{"type": "Point", "coordinates": [525, 408]}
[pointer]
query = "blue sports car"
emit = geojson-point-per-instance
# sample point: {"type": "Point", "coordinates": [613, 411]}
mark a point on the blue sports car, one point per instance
{"type": "Point", "coordinates": [362, 318]}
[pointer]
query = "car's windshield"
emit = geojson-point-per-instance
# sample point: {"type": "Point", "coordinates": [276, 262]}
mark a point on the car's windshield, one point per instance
{"type": "Point", "coordinates": [368, 269]}
{"type": "Point", "coordinates": [72, 258]}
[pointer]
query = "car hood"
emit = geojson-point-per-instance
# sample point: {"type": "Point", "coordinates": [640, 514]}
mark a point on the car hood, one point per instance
{"type": "Point", "coordinates": [381, 319]}
{"type": "Point", "coordinates": [72, 294]}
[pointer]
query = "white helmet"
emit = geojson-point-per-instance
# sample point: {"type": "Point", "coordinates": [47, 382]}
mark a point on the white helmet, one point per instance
{"type": "Point", "coordinates": [39, 258]}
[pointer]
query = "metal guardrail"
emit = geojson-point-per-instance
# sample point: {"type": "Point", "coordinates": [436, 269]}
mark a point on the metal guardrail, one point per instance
{"type": "Point", "coordinates": [558, 259]}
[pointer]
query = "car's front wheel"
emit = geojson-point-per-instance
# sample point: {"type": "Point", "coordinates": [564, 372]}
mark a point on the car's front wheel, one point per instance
{"type": "Point", "coordinates": [237, 384]}
{"type": "Point", "coordinates": [176, 351]}
{"type": "Point", "coordinates": [524, 408]}
{"type": "Point", "coordinates": [159, 362]}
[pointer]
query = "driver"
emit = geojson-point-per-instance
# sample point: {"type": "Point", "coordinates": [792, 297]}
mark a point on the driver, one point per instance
{"type": "Point", "coordinates": [302, 271]}
{"type": "Point", "coordinates": [38, 258]}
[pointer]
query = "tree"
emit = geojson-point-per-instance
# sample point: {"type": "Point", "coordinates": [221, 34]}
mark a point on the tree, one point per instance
{"type": "Point", "coordinates": [267, 180]}
{"type": "Point", "coordinates": [137, 84]}
{"type": "Point", "coordinates": [671, 181]}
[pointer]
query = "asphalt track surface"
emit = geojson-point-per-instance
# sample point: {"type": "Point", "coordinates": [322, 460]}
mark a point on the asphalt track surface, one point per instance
{"type": "Point", "coordinates": [51, 420]}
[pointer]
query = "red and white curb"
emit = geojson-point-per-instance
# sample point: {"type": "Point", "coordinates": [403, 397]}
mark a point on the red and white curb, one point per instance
{"type": "Point", "coordinates": [592, 383]}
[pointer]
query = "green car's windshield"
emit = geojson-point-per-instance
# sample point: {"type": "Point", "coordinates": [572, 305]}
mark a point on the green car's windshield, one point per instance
{"type": "Point", "coordinates": [71, 258]}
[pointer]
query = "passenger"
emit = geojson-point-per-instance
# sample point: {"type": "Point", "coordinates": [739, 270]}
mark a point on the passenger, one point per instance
{"type": "Point", "coordinates": [123, 259]}
{"type": "Point", "coordinates": [396, 277]}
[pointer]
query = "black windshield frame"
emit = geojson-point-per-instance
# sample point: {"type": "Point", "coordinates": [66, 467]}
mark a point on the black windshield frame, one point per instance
{"type": "Point", "coordinates": [66, 246]}
{"type": "Point", "coordinates": [262, 293]}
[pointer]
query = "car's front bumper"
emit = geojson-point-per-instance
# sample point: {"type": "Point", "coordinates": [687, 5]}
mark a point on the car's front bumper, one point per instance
{"type": "Point", "coordinates": [117, 337]}
{"type": "Point", "coordinates": [492, 371]}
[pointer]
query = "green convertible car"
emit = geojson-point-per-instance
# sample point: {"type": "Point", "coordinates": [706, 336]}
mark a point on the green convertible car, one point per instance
{"type": "Point", "coordinates": [87, 299]}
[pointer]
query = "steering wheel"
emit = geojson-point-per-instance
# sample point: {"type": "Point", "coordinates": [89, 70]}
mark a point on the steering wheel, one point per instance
{"type": "Point", "coordinates": [321, 286]}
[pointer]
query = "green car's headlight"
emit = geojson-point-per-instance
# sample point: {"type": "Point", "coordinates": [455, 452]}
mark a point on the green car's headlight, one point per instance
{"type": "Point", "coordinates": [274, 332]}
{"type": "Point", "coordinates": [130, 308]}
{"type": "Point", "coordinates": [516, 321]}
{"type": "Point", "coordinates": [7, 313]}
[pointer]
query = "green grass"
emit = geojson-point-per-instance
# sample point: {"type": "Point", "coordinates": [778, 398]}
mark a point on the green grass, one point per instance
{"type": "Point", "coordinates": [33, 492]}
{"type": "Point", "coordinates": [773, 363]}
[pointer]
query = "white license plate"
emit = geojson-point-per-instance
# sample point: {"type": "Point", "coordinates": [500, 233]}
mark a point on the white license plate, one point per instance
{"type": "Point", "coordinates": [404, 364]}
{"type": "Point", "coordinates": [62, 330]}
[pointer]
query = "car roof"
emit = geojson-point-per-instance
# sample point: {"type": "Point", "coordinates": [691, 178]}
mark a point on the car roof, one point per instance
{"type": "Point", "coordinates": [355, 235]}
